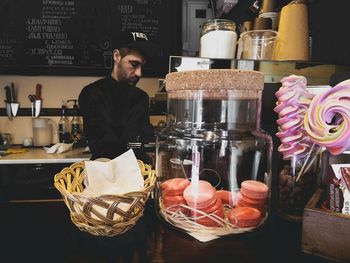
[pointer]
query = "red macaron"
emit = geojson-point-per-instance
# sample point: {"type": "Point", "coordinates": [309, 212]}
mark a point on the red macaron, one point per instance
{"type": "Point", "coordinates": [199, 194]}
{"type": "Point", "coordinates": [174, 186]}
{"type": "Point", "coordinates": [244, 216]}
{"type": "Point", "coordinates": [228, 197]}
{"type": "Point", "coordinates": [254, 189]}
{"type": "Point", "coordinates": [216, 209]}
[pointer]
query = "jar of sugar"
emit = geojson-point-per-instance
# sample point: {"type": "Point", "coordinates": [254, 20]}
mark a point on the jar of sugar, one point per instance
{"type": "Point", "coordinates": [218, 39]}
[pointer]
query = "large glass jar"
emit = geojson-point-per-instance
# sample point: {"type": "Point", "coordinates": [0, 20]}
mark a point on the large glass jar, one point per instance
{"type": "Point", "coordinates": [218, 39]}
{"type": "Point", "coordinates": [213, 161]}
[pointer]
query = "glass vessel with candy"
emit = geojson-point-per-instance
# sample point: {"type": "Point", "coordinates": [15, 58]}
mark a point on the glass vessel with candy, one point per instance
{"type": "Point", "coordinates": [213, 160]}
{"type": "Point", "coordinates": [298, 165]}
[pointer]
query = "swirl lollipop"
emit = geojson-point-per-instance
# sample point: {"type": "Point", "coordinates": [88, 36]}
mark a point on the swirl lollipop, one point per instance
{"type": "Point", "coordinates": [292, 104]}
{"type": "Point", "coordinates": [327, 120]}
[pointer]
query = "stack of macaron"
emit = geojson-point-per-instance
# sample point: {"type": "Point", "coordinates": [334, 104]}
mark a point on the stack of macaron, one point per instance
{"type": "Point", "coordinates": [253, 194]}
{"type": "Point", "coordinates": [206, 205]}
{"type": "Point", "coordinates": [172, 194]}
{"type": "Point", "coordinates": [207, 208]}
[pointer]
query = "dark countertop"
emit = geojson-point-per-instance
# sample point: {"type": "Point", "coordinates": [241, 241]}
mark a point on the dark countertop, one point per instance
{"type": "Point", "coordinates": [43, 232]}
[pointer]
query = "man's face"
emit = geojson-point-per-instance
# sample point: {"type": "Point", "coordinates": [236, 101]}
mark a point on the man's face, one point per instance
{"type": "Point", "coordinates": [129, 68]}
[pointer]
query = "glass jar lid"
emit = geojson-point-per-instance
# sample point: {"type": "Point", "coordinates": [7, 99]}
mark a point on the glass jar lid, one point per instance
{"type": "Point", "coordinates": [218, 24]}
{"type": "Point", "coordinates": [215, 79]}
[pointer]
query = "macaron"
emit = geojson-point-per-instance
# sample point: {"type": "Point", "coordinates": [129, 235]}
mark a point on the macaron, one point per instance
{"type": "Point", "coordinates": [254, 189]}
{"type": "Point", "coordinates": [216, 209]}
{"type": "Point", "coordinates": [261, 208]}
{"type": "Point", "coordinates": [244, 216]}
{"type": "Point", "coordinates": [174, 186]}
{"type": "Point", "coordinates": [228, 197]}
{"type": "Point", "coordinates": [207, 221]}
{"type": "Point", "coordinates": [217, 205]}
{"type": "Point", "coordinates": [199, 194]}
{"type": "Point", "coordinates": [174, 203]}
{"type": "Point", "coordinates": [173, 199]}
{"type": "Point", "coordinates": [247, 201]}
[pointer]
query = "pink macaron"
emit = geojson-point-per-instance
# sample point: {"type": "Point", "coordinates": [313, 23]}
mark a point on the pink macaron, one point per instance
{"type": "Point", "coordinates": [174, 203]}
{"type": "Point", "coordinates": [210, 222]}
{"type": "Point", "coordinates": [254, 189]}
{"type": "Point", "coordinates": [199, 194]}
{"type": "Point", "coordinates": [215, 206]}
{"type": "Point", "coordinates": [244, 216]}
{"type": "Point", "coordinates": [206, 218]}
{"type": "Point", "coordinates": [174, 186]}
{"type": "Point", "coordinates": [228, 197]}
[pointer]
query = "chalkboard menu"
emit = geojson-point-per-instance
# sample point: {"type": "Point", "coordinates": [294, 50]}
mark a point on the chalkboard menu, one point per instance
{"type": "Point", "coordinates": [77, 37]}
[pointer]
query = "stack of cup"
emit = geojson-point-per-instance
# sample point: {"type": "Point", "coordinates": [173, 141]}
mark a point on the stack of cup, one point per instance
{"type": "Point", "coordinates": [268, 10]}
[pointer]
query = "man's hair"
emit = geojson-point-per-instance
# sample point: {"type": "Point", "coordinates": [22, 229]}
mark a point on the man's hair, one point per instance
{"type": "Point", "coordinates": [126, 51]}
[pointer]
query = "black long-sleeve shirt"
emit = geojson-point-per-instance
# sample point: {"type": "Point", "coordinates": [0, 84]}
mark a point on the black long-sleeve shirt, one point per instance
{"type": "Point", "coordinates": [114, 114]}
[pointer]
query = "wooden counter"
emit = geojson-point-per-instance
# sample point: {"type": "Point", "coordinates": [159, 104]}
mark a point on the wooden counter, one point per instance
{"type": "Point", "coordinates": [38, 155]}
{"type": "Point", "coordinates": [43, 232]}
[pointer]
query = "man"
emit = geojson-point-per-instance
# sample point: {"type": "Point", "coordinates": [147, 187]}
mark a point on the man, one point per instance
{"type": "Point", "coordinates": [116, 112]}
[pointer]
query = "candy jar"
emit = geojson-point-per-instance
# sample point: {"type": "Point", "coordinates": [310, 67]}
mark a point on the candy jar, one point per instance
{"type": "Point", "coordinates": [297, 169]}
{"type": "Point", "coordinates": [213, 161]}
{"type": "Point", "coordinates": [297, 181]}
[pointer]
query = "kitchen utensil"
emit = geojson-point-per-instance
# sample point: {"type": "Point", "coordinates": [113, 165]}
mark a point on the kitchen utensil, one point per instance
{"type": "Point", "coordinates": [11, 104]}
{"type": "Point", "coordinates": [38, 91]}
{"type": "Point", "coordinates": [32, 99]}
{"type": "Point", "coordinates": [37, 107]}
{"type": "Point", "coordinates": [14, 108]}
{"type": "Point", "coordinates": [38, 100]}
{"type": "Point", "coordinates": [8, 110]}
{"type": "Point", "coordinates": [35, 104]}
{"type": "Point", "coordinates": [8, 101]}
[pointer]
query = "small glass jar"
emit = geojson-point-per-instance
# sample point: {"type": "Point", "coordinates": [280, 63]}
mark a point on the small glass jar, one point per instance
{"type": "Point", "coordinates": [218, 39]}
{"type": "Point", "coordinates": [297, 182]}
{"type": "Point", "coordinates": [211, 146]}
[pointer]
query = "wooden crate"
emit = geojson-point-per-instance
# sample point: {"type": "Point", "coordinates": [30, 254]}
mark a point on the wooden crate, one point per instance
{"type": "Point", "coordinates": [325, 233]}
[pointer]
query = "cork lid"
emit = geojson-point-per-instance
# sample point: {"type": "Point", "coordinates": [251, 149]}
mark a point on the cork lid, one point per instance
{"type": "Point", "coordinates": [215, 79]}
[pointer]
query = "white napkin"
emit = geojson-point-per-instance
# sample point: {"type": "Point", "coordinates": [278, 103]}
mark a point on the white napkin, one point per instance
{"type": "Point", "coordinates": [118, 176]}
{"type": "Point", "coordinates": [115, 177]}
{"type": "Point", "coordinates": [203, 237]}
{"type": "Point", "coordinates": [59, 148]}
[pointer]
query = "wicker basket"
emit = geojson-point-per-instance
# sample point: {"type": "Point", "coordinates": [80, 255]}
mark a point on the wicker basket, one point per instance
{"type": "Point", "coordinates": [102, 215]}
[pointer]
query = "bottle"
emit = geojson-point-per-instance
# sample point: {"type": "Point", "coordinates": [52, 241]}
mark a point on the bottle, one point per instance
{"type": "Point", "coordinates": [76, 125]}
{"type": "Point", "coordinates": [63, 125]}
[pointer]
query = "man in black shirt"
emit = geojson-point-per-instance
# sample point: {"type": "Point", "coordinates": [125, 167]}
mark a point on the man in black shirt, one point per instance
{"type": "Point", "coordinates": [116, 112]}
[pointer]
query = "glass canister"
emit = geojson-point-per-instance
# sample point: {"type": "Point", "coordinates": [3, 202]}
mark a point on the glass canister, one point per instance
{"type": "Point", "coordinates": [297, 182]}
{"type": "Point", "coordinates": [213, 161]}
{"type": "Point", "coordinates": [218, 39]}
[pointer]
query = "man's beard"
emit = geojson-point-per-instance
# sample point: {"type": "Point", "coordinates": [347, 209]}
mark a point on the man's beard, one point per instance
{"type": "Point", "coordinates": [122, 77]}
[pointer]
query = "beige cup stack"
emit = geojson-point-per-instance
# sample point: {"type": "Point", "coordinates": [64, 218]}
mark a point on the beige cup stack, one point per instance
{"type": "Point", "coordinates": [293, 34]}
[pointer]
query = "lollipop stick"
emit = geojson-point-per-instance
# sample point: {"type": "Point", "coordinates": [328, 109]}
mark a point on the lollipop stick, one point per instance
{"type": "Point", "coordinates": [306, 166]}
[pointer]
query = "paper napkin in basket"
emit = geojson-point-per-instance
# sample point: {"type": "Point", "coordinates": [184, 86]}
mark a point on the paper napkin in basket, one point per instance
{"type": "Point", "coordinates": [115, 177]}
{"type": "Point", "coordinates": [59, 148]}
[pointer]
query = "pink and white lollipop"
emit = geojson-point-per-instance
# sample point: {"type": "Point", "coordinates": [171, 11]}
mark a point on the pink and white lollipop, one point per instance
{"type": "Point", "coordinates": [292, 103]}
{"type": "Point", "coordinates": [327, 120]}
